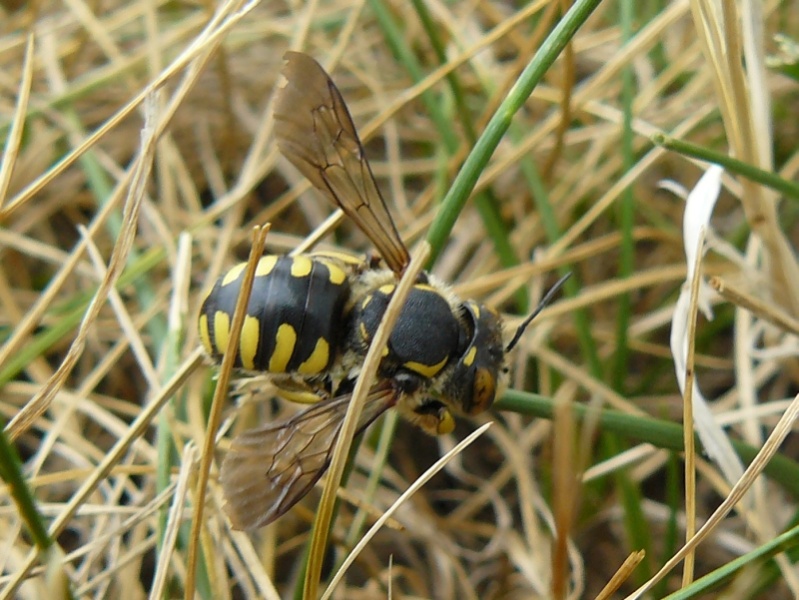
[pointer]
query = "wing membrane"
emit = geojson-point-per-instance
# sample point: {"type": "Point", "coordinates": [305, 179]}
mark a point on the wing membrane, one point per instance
{"type": "Point", "coordinates": [270, 468]}
{"type": "Point", "coordinates": [315, 132]}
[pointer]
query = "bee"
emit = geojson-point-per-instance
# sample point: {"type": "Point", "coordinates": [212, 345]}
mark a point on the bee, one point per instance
{"type": "Point", "coordinates": [311, 317]}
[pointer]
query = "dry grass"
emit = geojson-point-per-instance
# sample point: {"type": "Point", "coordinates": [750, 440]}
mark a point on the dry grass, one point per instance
{"type": "Point", "coordinates": [137, 158]}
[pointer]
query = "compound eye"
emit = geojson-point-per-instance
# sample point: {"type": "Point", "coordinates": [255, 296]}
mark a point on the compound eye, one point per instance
{"type": "Point", "coordinates": [483, 391]}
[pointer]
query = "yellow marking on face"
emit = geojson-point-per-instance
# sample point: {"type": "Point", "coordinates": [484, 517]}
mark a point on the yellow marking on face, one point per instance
{"type": "Point", "coordinates": [221, 331]}
{"type": "Point", "coordinates": [425, 370]}
{"type": "Point", "coordinates": [469, 358]}
{"type": "Point", "coordinates": [318, 359]}
{"type": "Point", "coordinates": [265, 265]}
{"type": "Point", "coordinates": [233, 274]}
{"type": "Point", "coordinates": [476, 309]}
{"type": "Point", "coordinates": [483, 391]}
{"type": "Point", "coordinates": [285, 340]}
{"type": "Point", "coordinates": [205, 337]}
{"type": "Point", "coordinates": [248, 342]}
{"type": "Point", "coordinates": [301, 266]}
{"type": "Point", "coordinates": [387, 289]}
{"type": "Point", "coordinates": [337, 275]}
{"type": "Point", "coordinates": [446, 423]}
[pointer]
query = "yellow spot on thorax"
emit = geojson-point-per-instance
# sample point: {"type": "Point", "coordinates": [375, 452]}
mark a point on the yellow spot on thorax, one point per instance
{"type": "Point", "coordinates": [426, 370]}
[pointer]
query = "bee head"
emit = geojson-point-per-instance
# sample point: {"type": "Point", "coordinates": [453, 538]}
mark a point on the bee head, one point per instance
{"type": "Point", "coordinates": [479, 373]}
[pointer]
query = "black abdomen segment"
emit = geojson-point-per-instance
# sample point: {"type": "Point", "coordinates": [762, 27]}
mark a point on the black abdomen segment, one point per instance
{"type": "Point", "coordinates": [294, 320]}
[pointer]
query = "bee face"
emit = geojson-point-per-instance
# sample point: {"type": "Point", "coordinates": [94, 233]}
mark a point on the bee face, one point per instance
{"type": "Point", "coordinates": [311, 319]}
{"type": "Point", "coordinates": [479, 374]}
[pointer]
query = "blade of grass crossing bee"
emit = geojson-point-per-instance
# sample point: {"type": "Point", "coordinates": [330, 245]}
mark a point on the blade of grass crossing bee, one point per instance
{"type": "Point", "coordinates": [316, 134]}
{"type": "Point", "coordinates": [270, 468]}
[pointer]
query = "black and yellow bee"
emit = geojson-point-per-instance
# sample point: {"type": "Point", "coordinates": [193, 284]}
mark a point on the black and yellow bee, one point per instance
{"type": "Point", "coordinates": [311, 318]}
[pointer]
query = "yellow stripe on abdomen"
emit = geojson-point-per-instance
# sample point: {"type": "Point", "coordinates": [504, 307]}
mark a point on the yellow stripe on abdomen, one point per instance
{"type": "Point", "coordinates": [221, 331]}
{"type": "Point", "coordinates": [301, 266]}
{"type": "Point", "coordinates": [248, 342]}
{"type": "Point", "coordinates": [318, 359]}
{"type": "Point", "coordinates": [285, 340]}
{"type": "Point", "coordinates": [205, 337]}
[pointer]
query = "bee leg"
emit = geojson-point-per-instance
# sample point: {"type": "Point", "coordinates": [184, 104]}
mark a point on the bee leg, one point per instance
{"type": "Point", "coordinates": [301, 392]}
{"type": "Point", "coordinates": [437, 417]}
{"type": "Point", "coordinates": [431, 416]}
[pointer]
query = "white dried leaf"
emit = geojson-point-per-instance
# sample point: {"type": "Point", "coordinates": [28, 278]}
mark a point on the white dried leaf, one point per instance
{"type": "Point", "coordinates": [698, 209]}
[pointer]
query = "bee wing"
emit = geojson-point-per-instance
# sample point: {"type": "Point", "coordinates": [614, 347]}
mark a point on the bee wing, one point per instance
{"type": "Point", "coordinates": [270, 468]}
{"type": "Point", "coordinates": [315, 132]}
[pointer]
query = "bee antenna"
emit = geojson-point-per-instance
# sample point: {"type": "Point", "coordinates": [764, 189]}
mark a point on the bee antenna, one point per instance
{"type": "Point", "coordinates": [544, 301]}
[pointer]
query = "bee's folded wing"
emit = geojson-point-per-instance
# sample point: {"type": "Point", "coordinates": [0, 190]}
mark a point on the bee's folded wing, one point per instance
{"type": "Point", "coordinates": [315, 132]}
{"type": "Point", "coordinates": [270, 468]}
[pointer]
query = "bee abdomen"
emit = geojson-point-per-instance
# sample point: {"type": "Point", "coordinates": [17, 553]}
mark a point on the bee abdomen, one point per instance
{"type": "Point", "coordinates": [294, 318]}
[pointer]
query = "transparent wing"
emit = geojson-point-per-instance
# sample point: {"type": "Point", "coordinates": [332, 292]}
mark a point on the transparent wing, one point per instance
{"type": "Point", "coordinates": [315, 132]}
{"type": "Point", "coordinates": [270, 468]}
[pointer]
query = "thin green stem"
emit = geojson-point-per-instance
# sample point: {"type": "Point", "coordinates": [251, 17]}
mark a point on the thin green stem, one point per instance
{"type": "Point", "coordinates": [659, 433]}
{"type": "Point", "coordinates": [478, 158]}
{"type": "Point", "coordinates": [11, 473]}
{"type": "Point", "coordinates": [485, 202]}
{"type": "Point", "coordinates": [775, 182]}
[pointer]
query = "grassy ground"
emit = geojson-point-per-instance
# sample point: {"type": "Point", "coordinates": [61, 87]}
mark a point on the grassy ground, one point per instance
{"type": "Point", "coordinates": [138, 156]}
